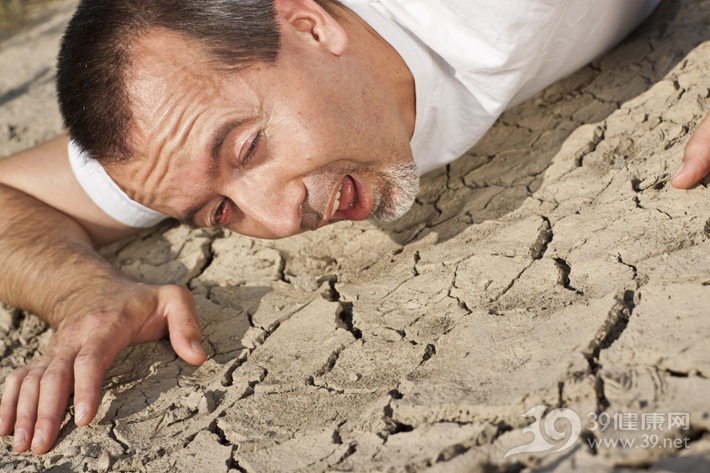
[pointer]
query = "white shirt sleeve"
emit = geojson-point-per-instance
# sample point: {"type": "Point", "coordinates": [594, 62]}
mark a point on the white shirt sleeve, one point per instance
{"type": "Point", "coordinates": [106, 194]}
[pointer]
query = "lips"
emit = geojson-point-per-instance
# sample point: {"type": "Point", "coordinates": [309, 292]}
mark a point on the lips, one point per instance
{"type": "Point", "coordinates": [351, 201]}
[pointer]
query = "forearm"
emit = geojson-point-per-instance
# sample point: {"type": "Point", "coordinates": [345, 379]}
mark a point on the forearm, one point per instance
{"type": "Point", "coordinates": [46, 256]}
{"type": "Point", "coordinates": [48, 265]}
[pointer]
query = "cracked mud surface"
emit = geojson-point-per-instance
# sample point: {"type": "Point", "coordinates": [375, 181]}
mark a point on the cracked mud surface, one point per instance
{"type": "Point", "coordinates": [552, 265]}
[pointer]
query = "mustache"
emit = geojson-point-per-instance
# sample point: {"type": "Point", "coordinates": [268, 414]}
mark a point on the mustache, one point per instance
{"type": "Point", "coordinates": [395, 195]}
{"type": "Point", "coordinates": [310, 218]}
{"type": "Point", "coordinates": [318, 193]}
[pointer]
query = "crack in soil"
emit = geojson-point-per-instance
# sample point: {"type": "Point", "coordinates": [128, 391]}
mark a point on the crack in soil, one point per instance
{"type": "Point", "coordinates": [616, 322]}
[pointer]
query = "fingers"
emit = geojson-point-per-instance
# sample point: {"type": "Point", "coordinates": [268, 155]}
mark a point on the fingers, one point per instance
{"type": "Point", "coordinates": [184, 328]}
{"type": "Point", "coordinates": [54, 388]}
{"type": "Point", "coordinates": [34, 401]}
{"type": "Point", "coordinates": [35, 397]}
{"type": "Point", "coordinates": [27, 408]}
{"type": "Point", "coordinates": [10, 395]}
{"type": "Point", "coordinates": [696, 160]}
{"type": "Point", "coordinates": [89, 369]}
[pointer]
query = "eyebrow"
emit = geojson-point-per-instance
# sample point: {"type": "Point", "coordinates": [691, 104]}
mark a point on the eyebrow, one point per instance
{"type": "Point", "coordinates": [188, 218]}
{"type": "Point", "coordinates": [217, 141]}
{"type": "Point", "coordinates": [219, 137]}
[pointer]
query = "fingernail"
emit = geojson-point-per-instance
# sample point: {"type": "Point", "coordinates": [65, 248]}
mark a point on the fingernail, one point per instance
{"type": "Point", "coordinates": [19, 437]}
{"type": "Point", "coordinates": [679, 170]}
{"type": "Point", "coordinates": [79, 412]}
{"type": "Point", "coordinates": [38, 439]}
{"type": "Point", "coordinates": [1, 425]}
{"type": "Point", "coordinates": [197, 347]}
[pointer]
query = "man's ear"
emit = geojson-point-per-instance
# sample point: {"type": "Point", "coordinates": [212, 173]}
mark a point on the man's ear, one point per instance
{"type": "Point", "coordinates": [308, 20]}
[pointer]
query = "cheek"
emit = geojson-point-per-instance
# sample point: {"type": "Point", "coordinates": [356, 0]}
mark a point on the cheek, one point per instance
{"type": "Point", "coordinates": [373, 114]}
{"type": "Point", "coordinates": [322, 131]}
{"type": "Point", "coordinates": [303, 142]}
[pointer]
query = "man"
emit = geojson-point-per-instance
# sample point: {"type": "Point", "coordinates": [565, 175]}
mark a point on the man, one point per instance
{"type": "Point", "coordinates": [268, 121]}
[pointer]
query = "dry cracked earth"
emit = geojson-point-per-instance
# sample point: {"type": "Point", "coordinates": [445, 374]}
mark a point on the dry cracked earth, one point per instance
{"type": "Point", "coordinates": [552, 265]}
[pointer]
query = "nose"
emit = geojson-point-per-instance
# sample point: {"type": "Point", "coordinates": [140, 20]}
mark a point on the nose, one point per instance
{"type": "Point", "coordinates": [268, 206]}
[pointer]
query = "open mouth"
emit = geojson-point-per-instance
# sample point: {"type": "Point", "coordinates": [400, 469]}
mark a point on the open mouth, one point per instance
{"type": "Point", "coordinates": [351, 202]}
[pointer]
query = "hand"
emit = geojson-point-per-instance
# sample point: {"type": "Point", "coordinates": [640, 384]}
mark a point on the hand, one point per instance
{"type": "Point", "coordinates": [696, 161]}
{"type": "Point", "coordinates": [87, 340]}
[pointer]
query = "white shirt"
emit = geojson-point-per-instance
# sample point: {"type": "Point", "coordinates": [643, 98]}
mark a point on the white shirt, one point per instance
{"type": "Point", "coordinates": [470, 59]}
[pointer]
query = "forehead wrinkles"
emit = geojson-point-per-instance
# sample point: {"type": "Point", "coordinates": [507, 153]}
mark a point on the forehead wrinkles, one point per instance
{"type": "Point", "coordinates": [170, 90]}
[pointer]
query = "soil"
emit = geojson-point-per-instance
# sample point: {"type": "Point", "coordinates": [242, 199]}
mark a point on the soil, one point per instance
{"type": "Point", "coordinates": [552, 265]}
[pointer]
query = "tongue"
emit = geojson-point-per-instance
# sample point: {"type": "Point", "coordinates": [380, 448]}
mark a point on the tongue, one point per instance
{"type": "Point", "coordinates": [347, 193]}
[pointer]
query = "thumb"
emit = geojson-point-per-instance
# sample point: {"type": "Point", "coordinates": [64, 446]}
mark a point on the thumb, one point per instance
{"type": "Point", "coordinates": [696, 160]}
{"type": "Point", "coordinates": [178, 307]}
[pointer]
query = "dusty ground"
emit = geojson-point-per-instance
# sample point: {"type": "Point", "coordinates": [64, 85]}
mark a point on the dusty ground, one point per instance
{"type": "Point", "coordinates": [552, 265]}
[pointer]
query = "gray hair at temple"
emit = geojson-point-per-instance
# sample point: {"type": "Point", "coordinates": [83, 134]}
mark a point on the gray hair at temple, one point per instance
{"type": "Point", "coordinates": [95, 56]}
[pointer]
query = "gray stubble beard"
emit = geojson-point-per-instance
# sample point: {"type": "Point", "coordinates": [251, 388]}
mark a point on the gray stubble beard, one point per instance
{"type": "Point", "coordinates": [398, 192]}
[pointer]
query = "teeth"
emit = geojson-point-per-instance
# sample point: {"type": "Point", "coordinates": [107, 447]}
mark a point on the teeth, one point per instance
{"type": "Point", "coordinates": [336, 204]}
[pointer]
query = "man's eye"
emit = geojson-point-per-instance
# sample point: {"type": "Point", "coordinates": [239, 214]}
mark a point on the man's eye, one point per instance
{"type": "Point", "coordinates": [253, 147]}
{"type": "Point", "coordinates": [221, 213]}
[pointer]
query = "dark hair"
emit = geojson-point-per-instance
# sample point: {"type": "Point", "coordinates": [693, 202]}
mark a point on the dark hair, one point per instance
{"type": "Point", "coordinates": [95, 56]}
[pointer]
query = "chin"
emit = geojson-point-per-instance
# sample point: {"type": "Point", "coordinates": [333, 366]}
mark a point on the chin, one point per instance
{"type": "Point", "coordinates": [397, 193]}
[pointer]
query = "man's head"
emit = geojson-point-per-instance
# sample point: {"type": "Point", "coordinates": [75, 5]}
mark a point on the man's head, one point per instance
{"type": "Point", "coordinates": [265, 116]}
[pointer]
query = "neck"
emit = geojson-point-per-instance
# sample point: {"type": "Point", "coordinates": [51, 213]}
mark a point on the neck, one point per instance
{"type": "Point", "coordinates": [385, 63]}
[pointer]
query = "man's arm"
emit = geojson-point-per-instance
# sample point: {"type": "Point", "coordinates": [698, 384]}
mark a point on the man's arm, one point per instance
{"type": "Point", "coordinates": [48, 228]}
{"type": "Point", "coordinates": [696, 160]}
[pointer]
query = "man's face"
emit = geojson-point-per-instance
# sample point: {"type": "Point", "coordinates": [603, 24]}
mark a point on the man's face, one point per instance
{"type": "Point", "coordinates": [269, 151]}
